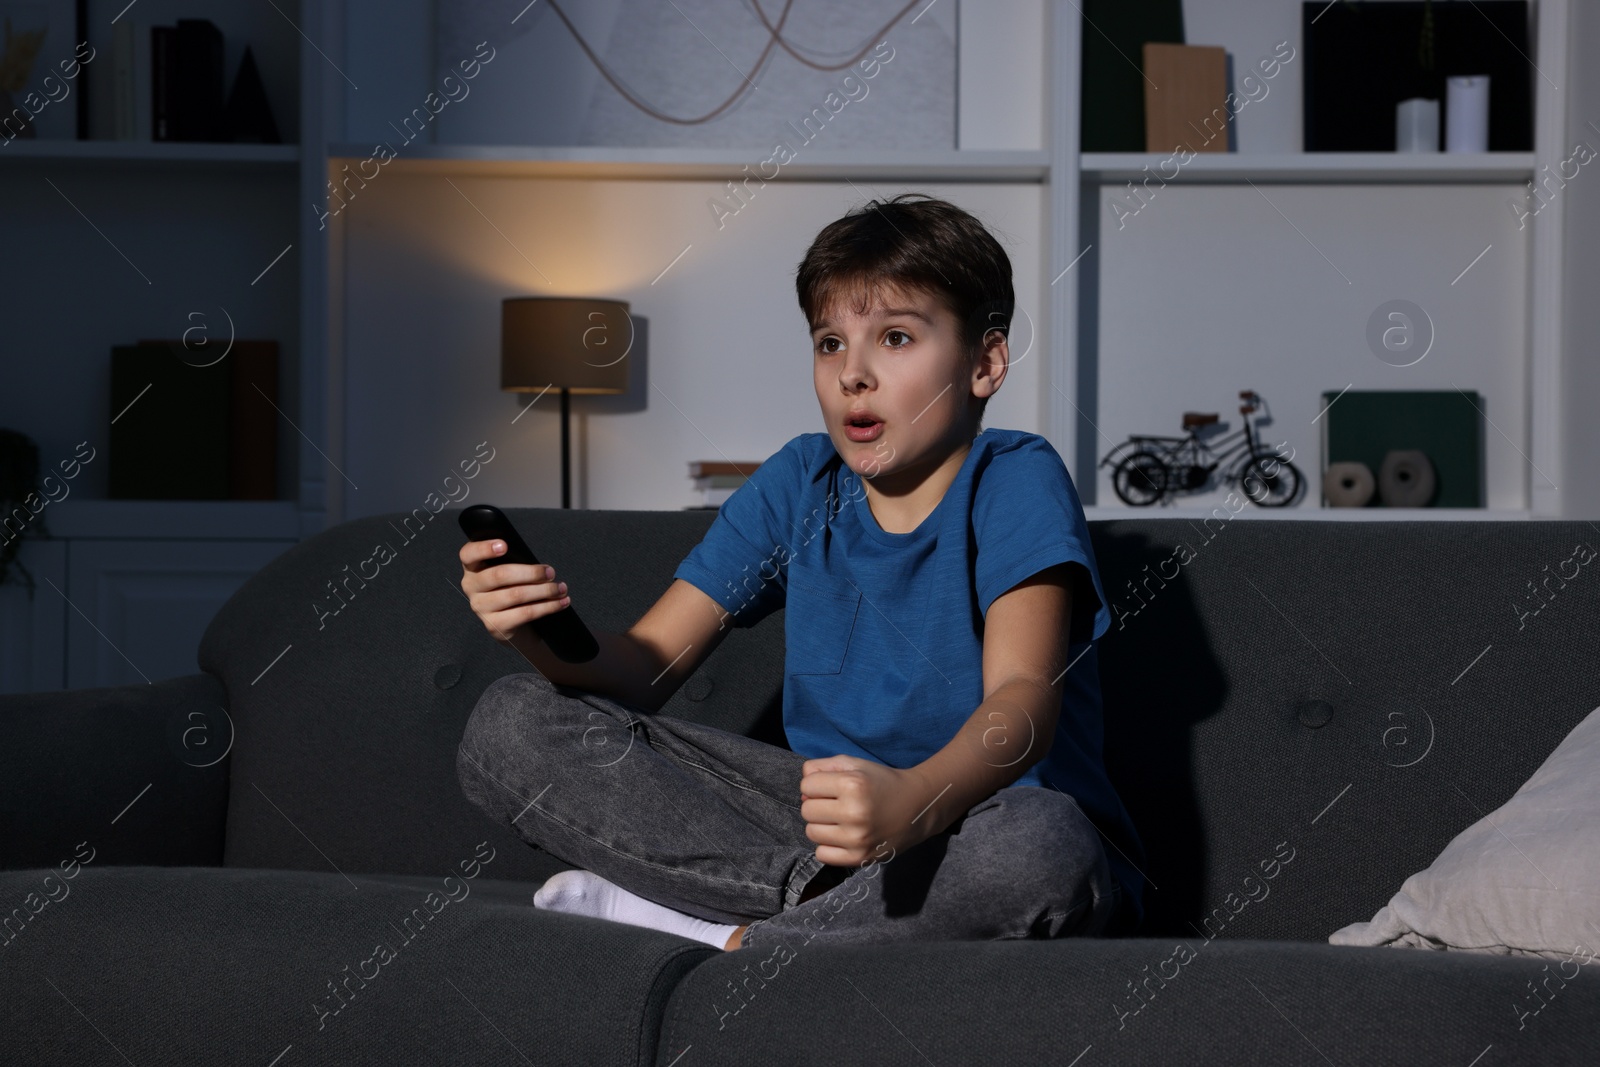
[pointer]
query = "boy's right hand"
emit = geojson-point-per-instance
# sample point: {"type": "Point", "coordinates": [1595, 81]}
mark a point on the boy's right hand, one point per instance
{"type": "Point", "coordinates": [506, 595]}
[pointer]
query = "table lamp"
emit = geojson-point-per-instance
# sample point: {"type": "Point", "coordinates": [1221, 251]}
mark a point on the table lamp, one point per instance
{"type": "Point", "coordinates": [575, 344]}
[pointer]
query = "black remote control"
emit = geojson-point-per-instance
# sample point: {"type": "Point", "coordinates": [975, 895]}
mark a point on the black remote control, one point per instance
{"type": "Point", "coordinates": [563, 632]}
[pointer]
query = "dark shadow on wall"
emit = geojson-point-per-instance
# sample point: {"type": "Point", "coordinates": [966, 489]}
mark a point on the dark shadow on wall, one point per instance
{"type": "Point", "coordinates": [1159, 678]}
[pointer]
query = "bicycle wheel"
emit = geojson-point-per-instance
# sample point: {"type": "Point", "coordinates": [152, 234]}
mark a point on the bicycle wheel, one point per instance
{"type": "Point", "coordinates": [1140, 480]}
{"type": "Point", "coordinates": [1269, 482]}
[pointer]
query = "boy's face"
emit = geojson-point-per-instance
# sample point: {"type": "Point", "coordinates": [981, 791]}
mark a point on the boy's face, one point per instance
{"type": "Point", "coordinates": [904, 361]}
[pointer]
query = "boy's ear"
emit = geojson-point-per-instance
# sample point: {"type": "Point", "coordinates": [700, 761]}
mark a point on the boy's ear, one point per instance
{"type": "Point", "coordinates": [993, 338]}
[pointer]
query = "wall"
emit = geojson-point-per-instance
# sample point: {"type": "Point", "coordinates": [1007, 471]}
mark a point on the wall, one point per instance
{"type": "Point", "coordinates": [726, 362]}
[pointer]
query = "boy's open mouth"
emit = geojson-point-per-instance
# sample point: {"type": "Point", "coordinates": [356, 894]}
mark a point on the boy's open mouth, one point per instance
{"type": "Point", "coordinates": [863, 427]}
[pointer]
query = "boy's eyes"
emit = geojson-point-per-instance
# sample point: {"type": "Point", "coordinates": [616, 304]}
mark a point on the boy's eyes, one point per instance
{"type": "Point", "coordinates": [822, 345]}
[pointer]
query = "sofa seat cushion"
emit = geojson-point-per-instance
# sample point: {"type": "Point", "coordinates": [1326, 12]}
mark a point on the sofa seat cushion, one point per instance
{"type": "Point", "coordinates": [240, 965]}
{"type": "Point", "coordinates": [1221, 1002]}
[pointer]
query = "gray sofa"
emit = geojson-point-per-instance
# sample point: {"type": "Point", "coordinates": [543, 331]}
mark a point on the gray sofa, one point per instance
{"type": "Point", "coordinates": [271, 862]}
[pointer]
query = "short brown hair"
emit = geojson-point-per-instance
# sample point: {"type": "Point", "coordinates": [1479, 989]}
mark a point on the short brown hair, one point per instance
{"type": "Point", "coordinates": [918, 242]}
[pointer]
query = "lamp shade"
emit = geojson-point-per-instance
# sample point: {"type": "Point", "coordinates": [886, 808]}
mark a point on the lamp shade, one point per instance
{"type": "Point", "coordinates": [573, 343]}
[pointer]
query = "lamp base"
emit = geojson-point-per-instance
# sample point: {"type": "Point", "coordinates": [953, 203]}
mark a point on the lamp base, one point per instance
{"type": "Point", "coordinates": [566, 448]}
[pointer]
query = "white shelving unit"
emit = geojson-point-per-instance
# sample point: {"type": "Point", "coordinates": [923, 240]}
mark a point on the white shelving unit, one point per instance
{"type": "Point", "coordinates": [946, 166]}
{"type": "Point", "coordinates": [707, 163]}
{"type": "Point", "coordinates": [1253, 513]}
{"type": "Point", "coordinates": [278, 185]}
{"type": "Point", "coordinates": [1072, 179]}
{"type": "Point", "coordinates": [1067, 174]}
{"type": "Point", "coordinates": [1309, 168]}
{"type": "Point", "coordinates": [1076, 177]}
{"type": "Point", "coordinates": [116, 240]}
{"type": "Point", "coordinates": [176, 153]}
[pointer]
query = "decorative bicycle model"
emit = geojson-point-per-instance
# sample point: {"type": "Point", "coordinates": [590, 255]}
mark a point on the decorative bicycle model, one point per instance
{"type": "Point", "coordinates": [1146, 468]}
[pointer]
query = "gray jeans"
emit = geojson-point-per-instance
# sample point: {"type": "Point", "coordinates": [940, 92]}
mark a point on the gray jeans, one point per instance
{"type": "Point", "coordinates": [708, 822]}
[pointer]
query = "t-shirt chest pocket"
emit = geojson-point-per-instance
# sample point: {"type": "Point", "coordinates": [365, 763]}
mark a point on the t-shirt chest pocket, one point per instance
{"type": "Point", "coordinates": [819, 618]}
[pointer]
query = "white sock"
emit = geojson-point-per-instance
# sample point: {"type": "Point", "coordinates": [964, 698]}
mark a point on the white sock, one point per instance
{"type": "Point", "coordinates": [580, 892]}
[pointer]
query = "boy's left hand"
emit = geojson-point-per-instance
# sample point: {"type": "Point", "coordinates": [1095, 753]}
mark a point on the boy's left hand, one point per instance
{"type": "Point", "coordinates": [856, 809]}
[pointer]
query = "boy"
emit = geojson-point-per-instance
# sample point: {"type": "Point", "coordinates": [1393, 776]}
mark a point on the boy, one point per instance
{"type": "Point", "coordinates": [941, 697]}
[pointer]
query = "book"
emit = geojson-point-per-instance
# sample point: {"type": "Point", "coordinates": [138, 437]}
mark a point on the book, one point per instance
{"type": "Point", "coordinates": [699, 468]}
{"type": "Point", "coordinates": [716, 480]}
{"type": "Point", "coordinates": [80, 33]}
{"type": "Point", "coordinates": [720, 481]}
{"type": "Point", "coordinates": [130, 81]}
{"type": "Point", "coordinates": [1111, 100]}
{"type": "Point", "coordinates": [160, 83]}
{"type": "Point", "coordinates": [123, 81]}
{"type": "Point", "coordinates": [1186, 98]}
{"type": "Point", "coordinates": [1447, 424]}
{"type": "Point", "coordinates": [168, 436]}
{"type": "Point", "coordinates": [253, 421]}
{"type": "Point", "coordinates": [187, 88]}
{"type": "Point", "coordinates": [197, 83]}
{"type": "Point", "coordinates": [193, 432]}
{"type": "Point", "coordinates": [713, 498]}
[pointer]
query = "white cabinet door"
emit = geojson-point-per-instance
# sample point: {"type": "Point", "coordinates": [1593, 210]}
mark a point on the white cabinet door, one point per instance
{"type": "Point", "coordinates": [137, 609]}
{"type": "Point", "coordinates": [33, 651]}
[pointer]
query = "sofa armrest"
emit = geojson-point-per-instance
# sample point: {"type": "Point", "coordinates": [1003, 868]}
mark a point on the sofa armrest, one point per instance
{"type": "Point", "coordinates": [138, 772]}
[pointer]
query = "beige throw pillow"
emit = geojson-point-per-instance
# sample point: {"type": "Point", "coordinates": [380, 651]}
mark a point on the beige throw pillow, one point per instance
{"type": "Point", "coordinates": [1523, 880]}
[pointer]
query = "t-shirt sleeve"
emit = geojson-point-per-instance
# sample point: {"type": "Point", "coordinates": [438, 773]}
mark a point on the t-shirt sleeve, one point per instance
{"type": "Point", "coordinates": [1026, 516]}
{"type": "Point", "coordinates": [743, 561]}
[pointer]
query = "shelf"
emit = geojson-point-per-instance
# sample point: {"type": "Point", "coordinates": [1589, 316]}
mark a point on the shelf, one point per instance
{"type": "Point", "coordinates": [1316, 514]}
{"type": "Point", "coordinates": [1306, 167]}
{"type": "Point", "coordinates": [183, 520]}
{"type": "Point", "coordinates": [122, 153]}
{"type": "Point", "coordinates": [716, 164]}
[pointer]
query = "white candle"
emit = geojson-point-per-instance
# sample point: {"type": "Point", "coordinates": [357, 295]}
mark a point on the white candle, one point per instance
{"type": "Point", "coordinates": [1467, 114]}
{"type": "Point", "coordinates": [1416, 125]}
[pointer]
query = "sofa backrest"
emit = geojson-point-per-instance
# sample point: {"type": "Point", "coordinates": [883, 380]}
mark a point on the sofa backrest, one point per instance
{"type": "Point", "coordinates": [353, 660]}
{"type": "Point", "coordinates": [1299, 714]}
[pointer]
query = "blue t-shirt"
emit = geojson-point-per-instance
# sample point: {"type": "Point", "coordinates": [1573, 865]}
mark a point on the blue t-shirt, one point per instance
{"type": "Point", "coordinates": [884, 631]}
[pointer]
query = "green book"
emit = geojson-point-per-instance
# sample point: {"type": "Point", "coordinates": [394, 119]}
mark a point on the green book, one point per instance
{"type": "Point", "coordinates": [1447, 425]}
{"type": "Point", "coordinates": [1114, 33]}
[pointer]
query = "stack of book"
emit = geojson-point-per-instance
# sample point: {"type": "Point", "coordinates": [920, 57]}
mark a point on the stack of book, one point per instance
{"type": "Point", "coordinates": [168, 85]}
{"type": "Point", "coordinates": [716, 480]}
